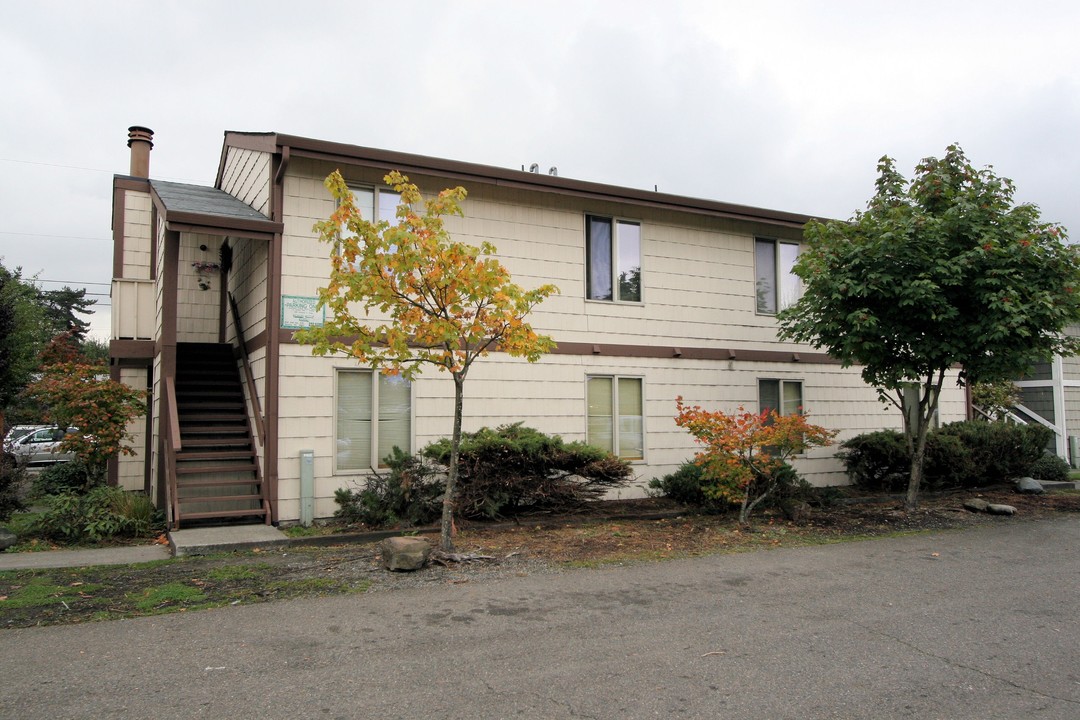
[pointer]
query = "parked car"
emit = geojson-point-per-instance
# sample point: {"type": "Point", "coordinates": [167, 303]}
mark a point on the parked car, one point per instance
{"type": "Point", "coordinates": [20, 431]}
{"type": "Point", "coordinates": [40, 447]}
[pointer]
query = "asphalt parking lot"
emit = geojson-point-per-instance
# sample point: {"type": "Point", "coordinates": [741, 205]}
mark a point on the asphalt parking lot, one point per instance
{"type": "Point", "coordinates": [974, 624]}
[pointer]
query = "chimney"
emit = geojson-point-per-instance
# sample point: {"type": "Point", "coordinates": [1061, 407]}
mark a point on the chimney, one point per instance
{"type": "Point", "coordinates": [140, 140]}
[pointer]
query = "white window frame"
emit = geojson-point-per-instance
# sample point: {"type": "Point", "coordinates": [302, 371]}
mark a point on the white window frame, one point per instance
{"type": "Point", "coordinates": [616, 415]}
{"type": "Point", "coordinates": [613, 259]}
{"type": "Point", "coordinates": [780, 274]}
{"type": "Point", "coordinates": [374, 462]}
{"type": "Point", "coordinates": [800, 409]}
{"type": "Point", "coordinates": [376, 200]}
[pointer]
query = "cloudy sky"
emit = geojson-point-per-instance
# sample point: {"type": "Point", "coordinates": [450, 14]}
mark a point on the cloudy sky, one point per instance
{"type": "Point", "coordinates": [784, 105]}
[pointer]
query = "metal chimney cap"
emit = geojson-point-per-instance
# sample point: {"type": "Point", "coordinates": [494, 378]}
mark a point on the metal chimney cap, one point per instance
{"type": "Point", "coordinates": [138, 133]}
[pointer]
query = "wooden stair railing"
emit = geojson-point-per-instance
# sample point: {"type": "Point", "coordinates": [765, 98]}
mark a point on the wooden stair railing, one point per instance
{"type": "Point", "coordinates": [249, 377]}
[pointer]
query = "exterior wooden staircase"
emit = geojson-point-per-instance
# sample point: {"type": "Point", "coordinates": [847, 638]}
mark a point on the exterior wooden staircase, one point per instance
{"type": "Point", "coordinates": [216, 465]}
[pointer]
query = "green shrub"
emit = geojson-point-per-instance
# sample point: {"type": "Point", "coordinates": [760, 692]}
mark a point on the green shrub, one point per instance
{"type": "Point", "coordinates": [962, 454]}
{"type": "Point", "coordinates": [11, 479]}
{"type": "Point", "coordinates": [102, 513]}
{"type": "Point", "coordinates": [687, 485]}
{"type": "Point", "coordinates": [877, 461]}
{"type": "Point", "coordinates": [409, 493]}
{"type": "Point", "coordinates": [1001, 451]}
{"type": "Point", "coordinates": [1049, 467]}
{"type": "Point", "coordinates": [948, 464]}
{"type": "Point", "coordinates": [512, 468]}
{"type": "Point", "coordinates": [63, 477]}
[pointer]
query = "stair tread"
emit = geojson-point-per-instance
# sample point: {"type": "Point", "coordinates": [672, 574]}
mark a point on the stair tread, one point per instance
{"type": "Point", "coordinates": [240, 453]}
{"type": "Point", "coordinates": [216, 482]}
{"type": "Point", "coordinates": [224, 513]}
{"type": "Point", "coordinates": [218, 498]}
{"type": "Point", "coordinates": [211, 469]}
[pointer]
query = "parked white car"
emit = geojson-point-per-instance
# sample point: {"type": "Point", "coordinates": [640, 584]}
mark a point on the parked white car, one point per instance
{"type": "Point", "coordinates": [20, 431]}
{"type": "Point", "coordinates": [40, 447]}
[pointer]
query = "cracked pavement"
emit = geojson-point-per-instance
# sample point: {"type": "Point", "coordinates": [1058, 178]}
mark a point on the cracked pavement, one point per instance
{"type": "Point", "coordinates": [979, 623]}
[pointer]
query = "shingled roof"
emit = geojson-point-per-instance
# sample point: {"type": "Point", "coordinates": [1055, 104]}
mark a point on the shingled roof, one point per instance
{"type": "Point", "coordinates": [194, 206]}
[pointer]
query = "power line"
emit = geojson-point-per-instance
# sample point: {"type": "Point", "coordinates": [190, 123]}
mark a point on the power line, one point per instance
{"type": "Point", "coordinates": [71, 282]}
{"type": "Point", "coordinates": [68, 237]}
{"type": "Point", "coordinates": [87, 169]}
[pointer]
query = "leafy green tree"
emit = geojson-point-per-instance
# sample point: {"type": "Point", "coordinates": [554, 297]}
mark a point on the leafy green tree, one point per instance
{"type": "Point", "coordinates": [78, 393]}
{"type": "Point", "coordinates": [449, 303]}
{"type": "Point", "coordinates": [996, 398]}
{"type": "Point", "coordinates": [943, 272]}
{"type": "Point", "coordinates": [22, 335]}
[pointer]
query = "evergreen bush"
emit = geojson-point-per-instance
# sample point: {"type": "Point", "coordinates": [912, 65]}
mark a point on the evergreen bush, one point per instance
{"type": "Point", "coordinates": [64, 477]}
{"type": "Point", "coordinates": [687, 485]}
{"type": "Point", "coordinates": [958, 455]}
{"type": "Point", "coordinates": [513, 468]}
{"type": "Point", "coordinates": [1000, 451]}
{"type": "Point", "coordinates": [410, 494]}
{"type": "Point", "coordinates": [1049, 467]}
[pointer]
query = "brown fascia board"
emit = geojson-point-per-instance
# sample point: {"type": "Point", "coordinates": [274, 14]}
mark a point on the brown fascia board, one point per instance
{"type": "Point", "coordinates": [488, 174]}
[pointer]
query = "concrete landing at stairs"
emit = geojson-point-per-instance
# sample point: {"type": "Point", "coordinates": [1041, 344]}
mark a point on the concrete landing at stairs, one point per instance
{"type": "Point", "coordinates": [203, 541]}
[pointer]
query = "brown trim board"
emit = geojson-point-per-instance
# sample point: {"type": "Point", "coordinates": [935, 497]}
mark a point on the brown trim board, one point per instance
{"type": "Point", "coordinates": [285, 337]}
{"type": "Point", "coordinates": [473, 172]}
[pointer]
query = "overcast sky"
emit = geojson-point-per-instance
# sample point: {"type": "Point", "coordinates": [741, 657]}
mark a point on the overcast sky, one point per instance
{"type": "Point", "coordinates": [782, 105]}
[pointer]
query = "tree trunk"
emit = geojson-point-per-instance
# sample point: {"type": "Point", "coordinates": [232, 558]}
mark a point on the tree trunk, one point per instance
{"type": "Point", "coordinates": [446, 541]}
{"type": "Point", "coordinates": [925, 412]}
{"type": "Point", "coordinates": [911, 501]}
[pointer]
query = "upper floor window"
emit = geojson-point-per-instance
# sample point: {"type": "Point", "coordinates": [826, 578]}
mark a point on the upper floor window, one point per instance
{"type": "Point", "coordinates": [376, 204]}
{"type": "Point", "coordinates": [612, 259]}
{"type": "Point", "coordinates": [776, 286]}
{"type": "Point", "coordinates": [373, 414]}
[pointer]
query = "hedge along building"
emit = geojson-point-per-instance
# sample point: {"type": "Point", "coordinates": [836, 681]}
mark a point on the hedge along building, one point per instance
{"type": "Point", "coordinates": [661, 296]}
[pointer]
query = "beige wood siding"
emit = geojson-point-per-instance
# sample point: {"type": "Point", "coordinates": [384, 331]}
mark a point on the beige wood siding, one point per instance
{"type": "Point", "coordinates": [550, 396]}
{"type": "Point", "coordinates": [137, 214]}
{"type": "Point", "coordinates": [247, 283]}
{"type": "Point", "coordinates": [130, 468]}
{"type": "Point", "coordinates": [246, 176]}
{"type": "Point", "coordinates": [197, 310]}
{"type": "Point", "coordinates": [698, 291]}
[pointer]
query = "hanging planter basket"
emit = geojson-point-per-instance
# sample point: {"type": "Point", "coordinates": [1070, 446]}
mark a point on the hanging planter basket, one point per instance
{"type": "Point", "coordinates": [204, 270]}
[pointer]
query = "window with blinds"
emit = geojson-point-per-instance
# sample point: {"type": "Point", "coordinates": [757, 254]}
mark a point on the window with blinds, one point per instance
{"type": "Point", "coordinates": [616, 420]}
{"type": "Point", "coordinates": [374, 411]}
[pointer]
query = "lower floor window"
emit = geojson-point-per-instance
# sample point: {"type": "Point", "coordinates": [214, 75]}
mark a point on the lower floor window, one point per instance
{"type": "Point", "coordinates": [783, 396]}
{"type": "Point", "coordinates": [374, 411]}
{"type": "Point", "coordinates": [616, 417]}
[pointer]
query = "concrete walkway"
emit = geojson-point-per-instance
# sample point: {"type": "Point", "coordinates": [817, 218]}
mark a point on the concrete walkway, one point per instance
{"type": "Point", "coordinates": [198, 541]}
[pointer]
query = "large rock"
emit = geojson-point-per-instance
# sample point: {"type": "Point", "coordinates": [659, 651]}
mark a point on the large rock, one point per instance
{"type": "Point", "coordinates": [997, 509]}
{"type": "Point", "coordinates": [7, 539]}
{"type": "Point", "coordinates": [404, 553]}
{"type": "Point", "coordinates": [976, 505]}
{"type": "Point", "coordinates": [1029, 486]}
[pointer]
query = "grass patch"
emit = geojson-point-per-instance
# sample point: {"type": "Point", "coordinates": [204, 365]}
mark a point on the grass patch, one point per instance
{"type": "Point", "coordinates": [167, 595]}
{"type": "Point", "coordinates": [227, 573]}
{"type": "Point", "coordinates": [42, 593]}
